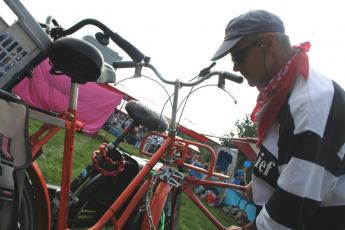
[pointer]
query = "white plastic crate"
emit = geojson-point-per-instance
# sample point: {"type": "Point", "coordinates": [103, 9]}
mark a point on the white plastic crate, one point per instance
{"type": "Point", "coordinates": [22, 44]}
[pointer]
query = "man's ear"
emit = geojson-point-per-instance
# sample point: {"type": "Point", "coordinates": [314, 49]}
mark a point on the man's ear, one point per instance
{"type": "Point", "coordinates": [269, 42]}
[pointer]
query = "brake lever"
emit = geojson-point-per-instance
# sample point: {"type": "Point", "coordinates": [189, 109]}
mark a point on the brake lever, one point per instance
{"type": "Point", "coordinates": [221, 82]}
{"type": "Point", "coordinates": [56, 32]}
{"type": "Point", "coordinates": [206, 70]}
{"type": "Point", "coordinates": [230, 94]}
{"type": "Point", "coordinates": [48, 24]}
{"type": "Point", "coordinates": [55, 23]}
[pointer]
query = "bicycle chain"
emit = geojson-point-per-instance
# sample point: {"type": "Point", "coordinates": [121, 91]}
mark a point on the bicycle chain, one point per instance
{"type": "Point", "coordinates": [148, 200]}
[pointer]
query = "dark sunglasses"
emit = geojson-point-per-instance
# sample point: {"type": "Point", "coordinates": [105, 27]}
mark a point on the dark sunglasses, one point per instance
{"type": "Point", "coordinates": [239, 56]}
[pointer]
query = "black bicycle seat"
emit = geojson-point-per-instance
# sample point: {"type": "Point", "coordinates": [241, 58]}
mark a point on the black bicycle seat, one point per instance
{"type": "Point", "coordinates": [145, 116]}
{"type": "Point", "coordinates": [78, 59]}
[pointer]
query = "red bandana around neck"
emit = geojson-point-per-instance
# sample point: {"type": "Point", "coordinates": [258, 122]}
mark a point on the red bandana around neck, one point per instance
{"type": "Point", "coordinates": [272, 96]}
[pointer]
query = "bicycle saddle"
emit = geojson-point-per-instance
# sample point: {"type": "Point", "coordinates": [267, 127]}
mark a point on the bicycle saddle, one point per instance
{"type": "Point", "coordinates": [145, 116]}
{"type": "Point", "coordinates": [78, 59]}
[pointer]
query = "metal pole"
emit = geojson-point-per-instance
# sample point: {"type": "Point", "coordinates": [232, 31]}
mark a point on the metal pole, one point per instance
{"type": "Point", "coordinates": [172, 127]}
{"type": "Point", "coordinates": [73, 96]}
{"type": "Point", "coordinates": [68, 158]}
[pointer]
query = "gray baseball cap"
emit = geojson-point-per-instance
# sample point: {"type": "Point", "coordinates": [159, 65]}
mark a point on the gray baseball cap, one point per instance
{"type": "Point", "coordinates": [252, 22]}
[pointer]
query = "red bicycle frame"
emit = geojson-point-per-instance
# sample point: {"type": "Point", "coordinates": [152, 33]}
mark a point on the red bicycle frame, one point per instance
{"type": "Point", "coordinates": [143, 180]}
{"type": "Point", "coordinates": [163, 189]}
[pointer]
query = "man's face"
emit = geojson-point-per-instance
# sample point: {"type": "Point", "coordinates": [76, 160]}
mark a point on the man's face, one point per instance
{"type": "Point", "coordinates": [249, 59]}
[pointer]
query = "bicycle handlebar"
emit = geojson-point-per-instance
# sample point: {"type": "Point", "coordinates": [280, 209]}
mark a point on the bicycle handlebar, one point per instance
{"type": "Point", "coordinates": [139, 59]}
{"type": "Point", "coordinates": [225, 75]}
{"type": "Point", "coordinates": [124, 64]}
{"type": "Point", "coordinates": [136, 55]}
{"type": "Point", "coordinates": [232, 77]}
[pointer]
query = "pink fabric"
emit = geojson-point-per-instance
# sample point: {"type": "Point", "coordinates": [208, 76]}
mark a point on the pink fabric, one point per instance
{"type": "Point", "coordinates": [51, 92]}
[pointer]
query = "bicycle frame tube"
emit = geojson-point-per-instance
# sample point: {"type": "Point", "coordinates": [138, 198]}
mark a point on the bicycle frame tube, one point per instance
{"type": "Point", "coordinates": [68, 158]}
{"type": "Point", "coordinates": [135, 200]}
{"type": "Point", "coordinates": [38, 141]}
{"type": "Point", "coordinates": [181, 161]}
{"type": "Point", "coordinates": [187, 190]}
{"type": "Point", "coordinates": [172, 126]}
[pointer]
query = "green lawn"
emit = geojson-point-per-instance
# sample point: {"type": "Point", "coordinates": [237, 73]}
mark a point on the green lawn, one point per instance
{"type": "Point", "coordinates": [50, 163]}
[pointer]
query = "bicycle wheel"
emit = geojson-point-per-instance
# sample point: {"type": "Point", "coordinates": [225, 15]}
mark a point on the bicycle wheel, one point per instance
{"type": "Point", "coordinates": [86, 212]}
{"type": "Point", "coordinates": [171, 211]}
{"type": "Point", "coordinates": [27, 216]}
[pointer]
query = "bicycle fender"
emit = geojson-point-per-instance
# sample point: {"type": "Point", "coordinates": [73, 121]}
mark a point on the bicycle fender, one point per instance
{"type": "Point", "coordinates": [157, 204]}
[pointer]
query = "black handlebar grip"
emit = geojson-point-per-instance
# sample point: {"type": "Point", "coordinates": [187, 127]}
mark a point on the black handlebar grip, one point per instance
{"type": "Point", "coordinates": [131, 50]}
{"type": "Point", "coordinates": [124, 64]}
{"type": "Point", "coordinates": [232, 77]}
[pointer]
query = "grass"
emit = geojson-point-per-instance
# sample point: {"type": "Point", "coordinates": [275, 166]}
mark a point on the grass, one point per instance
{"type": "Point", "coordinates": [50, 163]}
{"type": "Point", "coordinates": [191, 216]}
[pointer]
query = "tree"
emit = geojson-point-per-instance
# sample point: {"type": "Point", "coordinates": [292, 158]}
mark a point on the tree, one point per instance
{"type": "Point", "coordinates": [244, 128]}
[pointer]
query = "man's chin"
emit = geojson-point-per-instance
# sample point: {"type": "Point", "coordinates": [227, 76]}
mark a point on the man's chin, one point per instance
{"type": "Point", "coordinates": [251, 83]}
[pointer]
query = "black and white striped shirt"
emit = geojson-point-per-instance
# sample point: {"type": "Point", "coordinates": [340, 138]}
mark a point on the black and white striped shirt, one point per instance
{"type": "Point", "coordinates": [299, 175]}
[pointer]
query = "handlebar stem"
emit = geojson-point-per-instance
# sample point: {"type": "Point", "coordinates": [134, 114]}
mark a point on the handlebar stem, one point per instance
{"type": "Point", "coordinates": [177, 86]}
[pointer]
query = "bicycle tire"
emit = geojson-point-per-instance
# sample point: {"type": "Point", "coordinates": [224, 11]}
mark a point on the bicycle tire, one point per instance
{"type": "Point", "coordinates": [27, 215]}
{"type": "Point", "coordinates": [165, 204]}
{"type": "Point", "coordinates": [82, 215]}
{"type": "Point", "coordinates": [172, 210]}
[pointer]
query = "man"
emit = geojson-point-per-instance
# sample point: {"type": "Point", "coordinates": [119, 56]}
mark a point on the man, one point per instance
{"type": "Point", "coordinates": [239, 177]}
{"type": "Point", "coordinates": [298, 179]}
